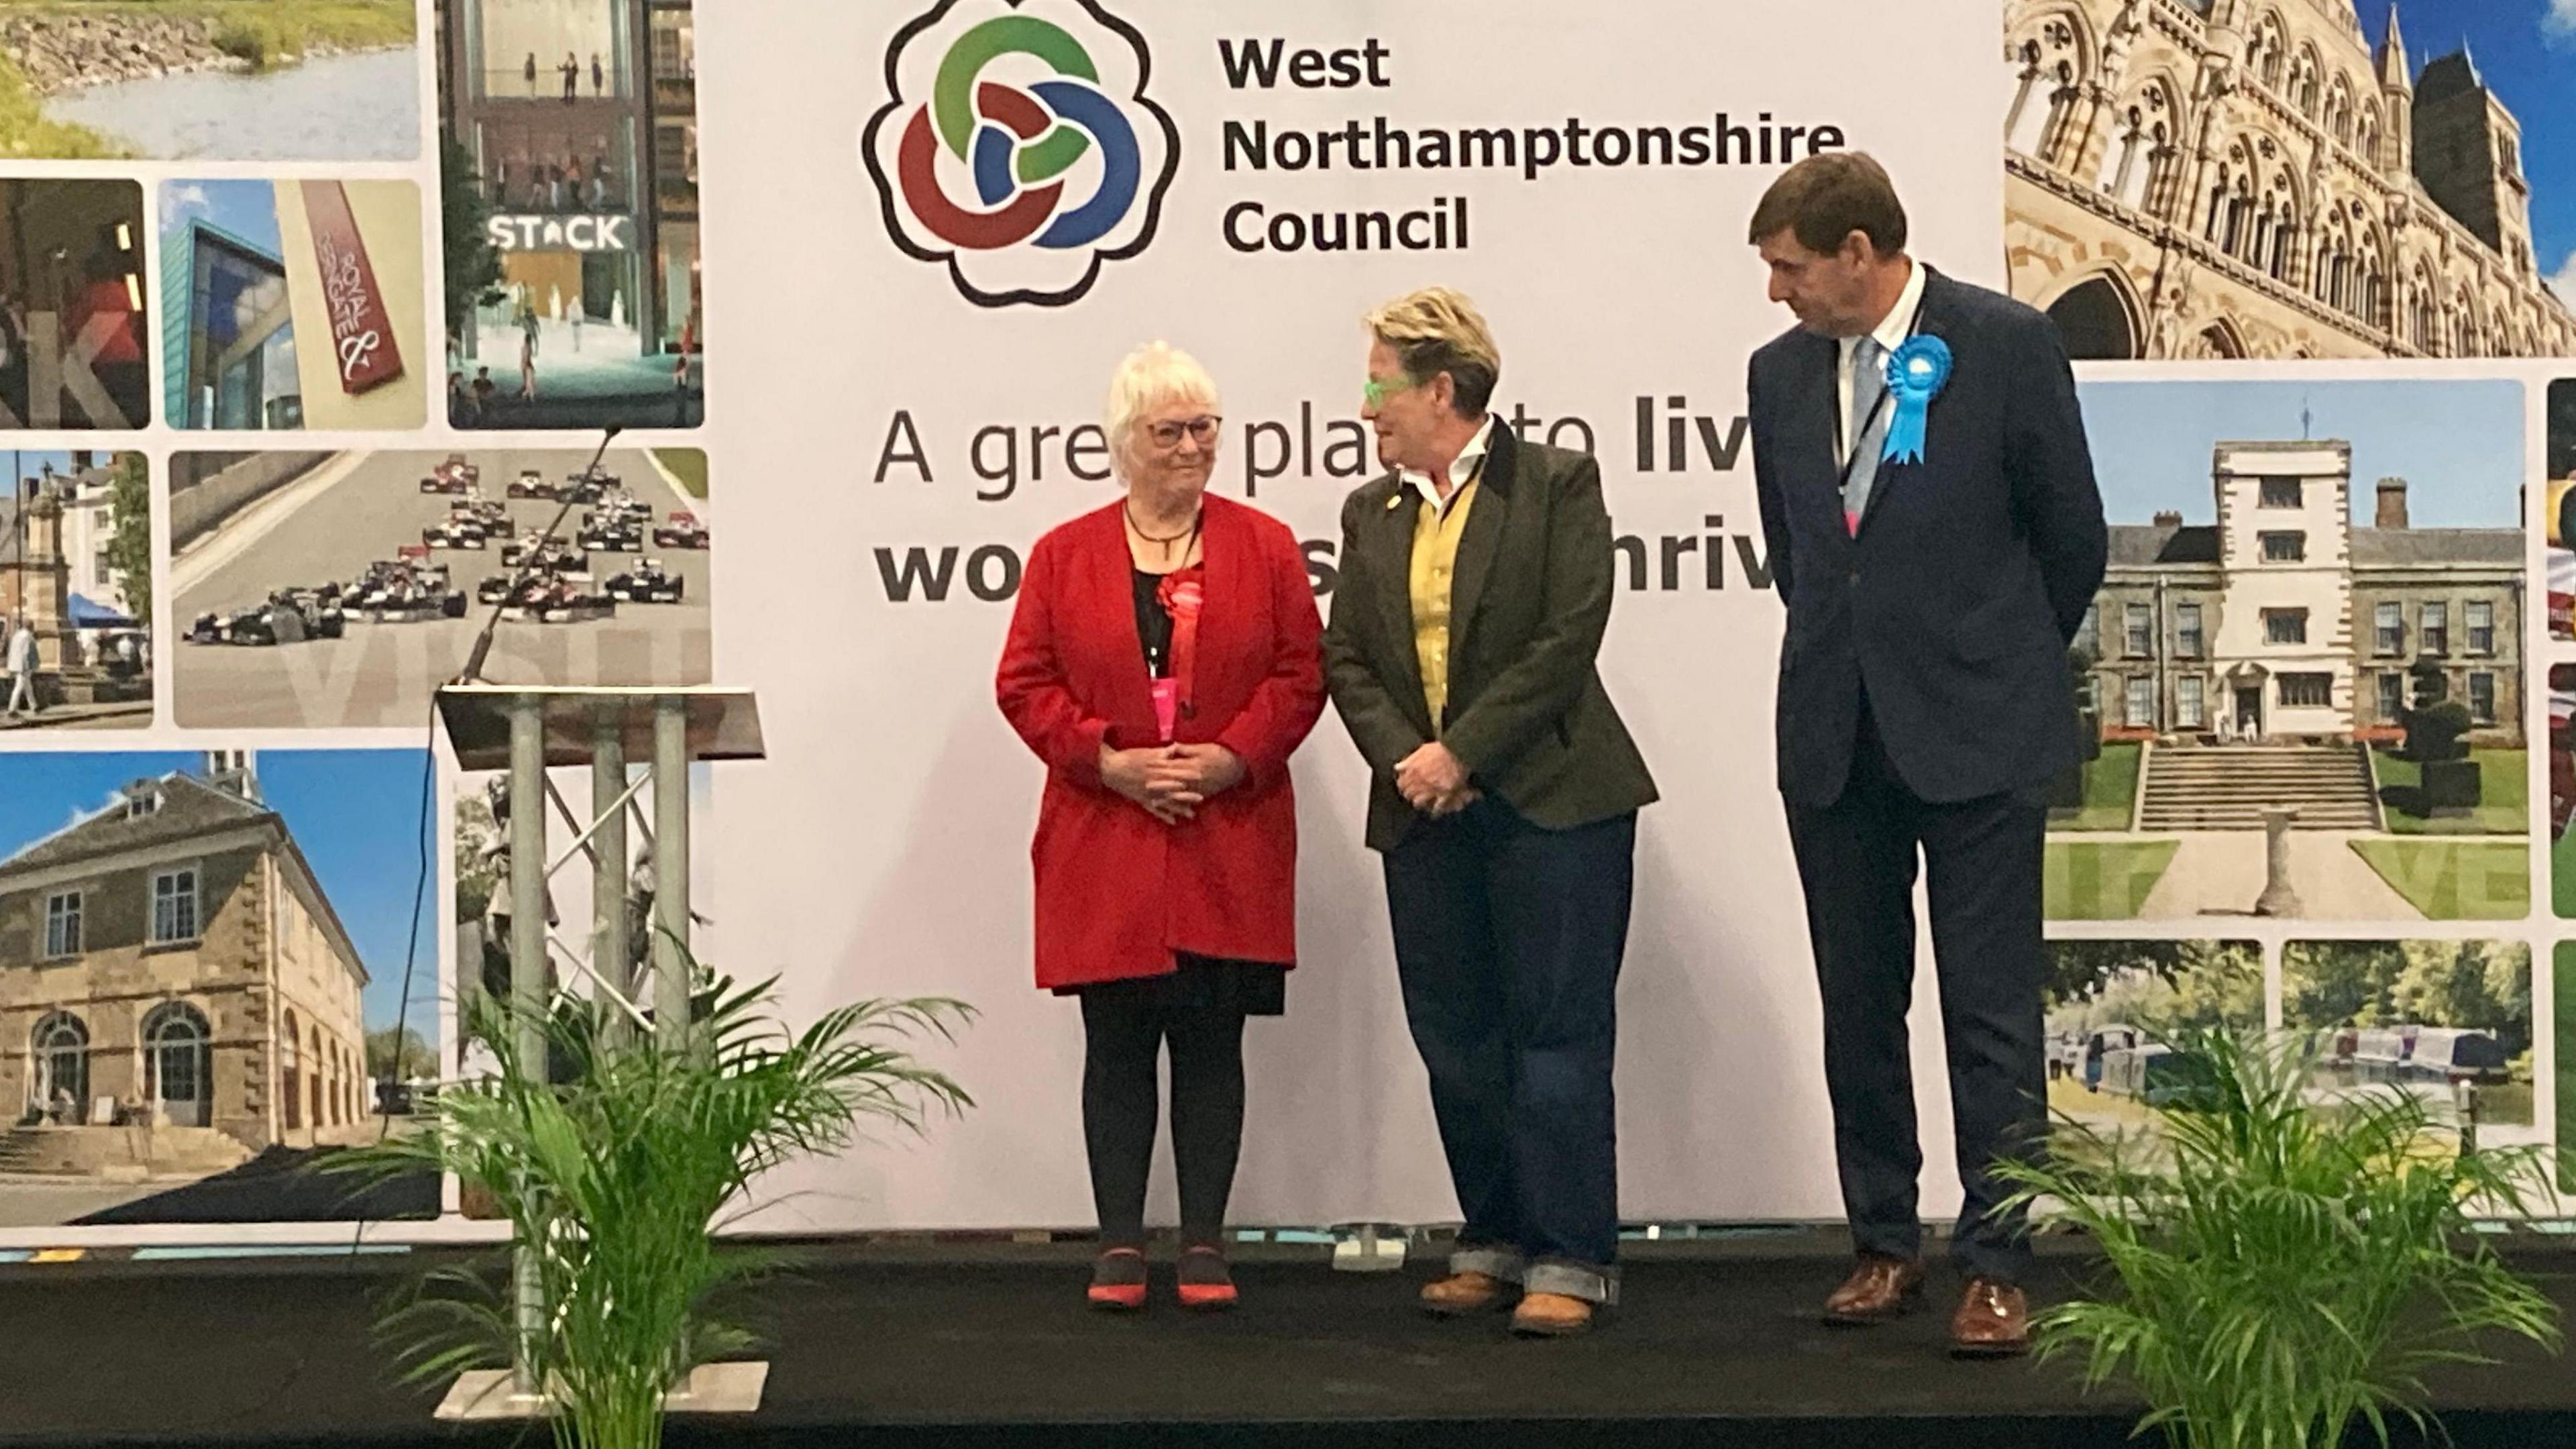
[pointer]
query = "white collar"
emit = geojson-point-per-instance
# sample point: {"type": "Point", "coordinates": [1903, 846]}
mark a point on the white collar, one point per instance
{"type": "Point", "coordinates": [1891, 329]}
{"type": "Point", "coordinates": [1461, 468]}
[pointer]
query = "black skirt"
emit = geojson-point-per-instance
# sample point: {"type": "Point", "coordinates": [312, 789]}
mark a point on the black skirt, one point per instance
{"type": "Point", "coordinates": [1203, 983]}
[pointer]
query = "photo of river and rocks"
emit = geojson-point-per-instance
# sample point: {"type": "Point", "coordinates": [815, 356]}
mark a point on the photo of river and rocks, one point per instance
{"type": "Point", "coordinates": [236, 80]}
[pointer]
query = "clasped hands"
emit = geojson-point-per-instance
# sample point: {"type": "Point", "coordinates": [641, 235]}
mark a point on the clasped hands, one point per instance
{"type": "Point", "coordinates": [1434, 781]}
{"type": "Point", "coordinates": [1170, 781]}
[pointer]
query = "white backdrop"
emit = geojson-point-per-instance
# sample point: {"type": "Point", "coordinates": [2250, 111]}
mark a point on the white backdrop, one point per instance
{"type": "Point", "coordinates": [908, 802]}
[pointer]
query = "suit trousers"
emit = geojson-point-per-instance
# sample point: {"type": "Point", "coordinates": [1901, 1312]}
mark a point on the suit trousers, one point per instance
{"type": "Point", "coordinates": [1508, 941]}
{"type": "Point", "coordinates": [1857, 859]}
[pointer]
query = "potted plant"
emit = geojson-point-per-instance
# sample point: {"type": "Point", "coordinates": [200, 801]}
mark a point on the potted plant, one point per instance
{"type": "Point", "coordinates": [617, 1175]}
{"type": "Point", "coordinates": [2285, 1268]}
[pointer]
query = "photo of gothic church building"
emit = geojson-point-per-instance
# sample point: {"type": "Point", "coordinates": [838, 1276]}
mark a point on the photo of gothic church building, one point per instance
{"type": "Point", "coordinates": [2257, 179]}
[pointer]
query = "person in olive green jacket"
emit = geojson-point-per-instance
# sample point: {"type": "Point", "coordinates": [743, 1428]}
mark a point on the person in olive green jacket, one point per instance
{"type": "Point", "coordinates": [1475, 586]}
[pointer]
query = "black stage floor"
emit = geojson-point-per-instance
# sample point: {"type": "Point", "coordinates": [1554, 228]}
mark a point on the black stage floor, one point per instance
{"type": "Point", "coordinates": [967, 1345]}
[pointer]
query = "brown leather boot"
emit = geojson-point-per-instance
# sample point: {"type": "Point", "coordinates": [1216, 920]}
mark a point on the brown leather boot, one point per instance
{"type": "Point", "coordinates": [1879, 1289]}
{"type": "Point", "coordinates": [1993, 1321]}
{"type": "Point", "coordinates": [1461, 1294]}
{"type": "Point", "coordinates": [1551, 1315]}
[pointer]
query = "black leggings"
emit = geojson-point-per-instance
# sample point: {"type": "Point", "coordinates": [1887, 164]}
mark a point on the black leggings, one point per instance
{"type": "Point", "coordinates": [1123, 1036]}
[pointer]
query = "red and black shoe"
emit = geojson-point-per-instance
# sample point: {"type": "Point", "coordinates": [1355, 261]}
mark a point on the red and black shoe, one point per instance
{"type": "Point", "coordinates": [1206, 1284]}
{"type": "Point", "coordinates": [1118, 1280]}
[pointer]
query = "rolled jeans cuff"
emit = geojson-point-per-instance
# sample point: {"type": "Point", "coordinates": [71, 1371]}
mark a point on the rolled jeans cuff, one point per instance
{"type": "Point", "coordinates": [1561, 1276]}
{"type": "Point", "coordinates": [1504, 1263]}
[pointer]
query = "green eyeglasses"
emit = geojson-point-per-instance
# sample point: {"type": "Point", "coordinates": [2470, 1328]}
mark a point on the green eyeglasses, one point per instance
{"type": "Point", "coordinates": [1378, 392]}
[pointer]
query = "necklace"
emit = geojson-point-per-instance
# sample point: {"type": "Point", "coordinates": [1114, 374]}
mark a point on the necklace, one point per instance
{"type": "Point", "coordinates": [1164, 541]}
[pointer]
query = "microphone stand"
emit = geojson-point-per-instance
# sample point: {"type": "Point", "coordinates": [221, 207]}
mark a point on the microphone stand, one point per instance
{"type": "Point", "coordinates": [472, 673]}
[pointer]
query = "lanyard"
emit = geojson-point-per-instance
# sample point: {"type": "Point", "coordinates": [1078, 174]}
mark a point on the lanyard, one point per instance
{"type": "Point", "coordinates": [1911, 323]}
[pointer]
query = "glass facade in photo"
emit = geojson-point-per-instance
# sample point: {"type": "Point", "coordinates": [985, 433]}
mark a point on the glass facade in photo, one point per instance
{"type": "Point", "coordinates": [236, 360]}
{"type": "Point", "coordinates": [577, 123]}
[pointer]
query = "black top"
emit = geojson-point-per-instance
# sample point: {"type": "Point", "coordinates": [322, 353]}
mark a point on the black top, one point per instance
{"type": "Point", "coordinates": [1153, 624]}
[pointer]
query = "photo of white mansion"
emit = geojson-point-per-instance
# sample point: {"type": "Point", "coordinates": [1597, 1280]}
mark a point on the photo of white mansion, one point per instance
{"type": "Point", "coordinates": [2282, 621]}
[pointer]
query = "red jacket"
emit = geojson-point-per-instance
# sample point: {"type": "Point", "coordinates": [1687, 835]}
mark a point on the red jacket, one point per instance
{"type": "Point", "coordinates": [1118, 892]}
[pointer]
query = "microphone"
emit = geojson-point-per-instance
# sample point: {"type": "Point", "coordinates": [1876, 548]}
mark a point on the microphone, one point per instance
{"type": "Point", "coordinates": [472, 673]}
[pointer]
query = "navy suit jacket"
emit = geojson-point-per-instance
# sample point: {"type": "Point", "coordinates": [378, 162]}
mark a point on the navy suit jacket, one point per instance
{"type": "Point", "coordinates": [1971, 572]}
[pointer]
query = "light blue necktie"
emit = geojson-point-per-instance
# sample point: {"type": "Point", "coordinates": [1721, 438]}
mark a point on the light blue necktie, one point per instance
{"type": "Point", "coordinates": [1869, 390]}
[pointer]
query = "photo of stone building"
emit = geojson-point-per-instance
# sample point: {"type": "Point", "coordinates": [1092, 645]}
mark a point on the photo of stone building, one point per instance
{"type": "Point", "coordinates": [2285, 621]}
{"type": "Point", "coordinates": [2263, 179]}
{"type": "Point", "coordinates": [2305, 691]}
{"type": "Point", "coordinates": [177, 992]}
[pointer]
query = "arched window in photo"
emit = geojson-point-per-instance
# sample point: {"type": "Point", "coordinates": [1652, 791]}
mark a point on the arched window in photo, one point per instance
{"type": "Point", "coordinates": [290, 1077]}
{"type": "Point", "coordinates": [178, 1063]}
{"type": "Point", "coordinates": [60, 1083]}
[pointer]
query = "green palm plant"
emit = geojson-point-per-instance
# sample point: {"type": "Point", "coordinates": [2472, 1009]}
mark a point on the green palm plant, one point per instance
{"type": "Point", "coordinates": [617, 1174]}
{"type": "Point", "coordinates": [2286, 1268]}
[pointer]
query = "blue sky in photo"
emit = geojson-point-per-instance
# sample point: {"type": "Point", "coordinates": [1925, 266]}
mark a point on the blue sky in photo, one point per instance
{"type": "Point", "coordinates": [2458, 445]}
{"type": "Point", "coordinates": [352, 812]}
{"type": "Point", "coordinates": [24, 463]}
{"type": "Point", "coordinates": [2526, 50]}
{"type": "Point", "coordinates": [247, 209]}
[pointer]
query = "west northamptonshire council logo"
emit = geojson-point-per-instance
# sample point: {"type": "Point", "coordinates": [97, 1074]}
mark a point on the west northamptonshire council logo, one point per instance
{"type": "Point", "coordinates": [1019, 148]}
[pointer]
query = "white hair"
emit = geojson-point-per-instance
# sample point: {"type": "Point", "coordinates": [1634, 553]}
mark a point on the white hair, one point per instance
{"type": "Point", "coordinates": [1148, 377]}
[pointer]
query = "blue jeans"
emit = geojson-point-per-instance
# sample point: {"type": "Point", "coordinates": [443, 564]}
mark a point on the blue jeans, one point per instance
{"type": "Point", "coordinates": [1508, 940]}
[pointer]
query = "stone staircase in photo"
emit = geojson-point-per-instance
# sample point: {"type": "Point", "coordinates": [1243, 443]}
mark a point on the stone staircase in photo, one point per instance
{"type": "Point", "coordinates": [118, 1153]}
{"type": "Point", "coordinates": [2228, 787]}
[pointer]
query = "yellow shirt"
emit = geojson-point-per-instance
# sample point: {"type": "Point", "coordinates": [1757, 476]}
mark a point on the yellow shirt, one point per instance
{"type": "Point", "coordinates": [1436, 531]}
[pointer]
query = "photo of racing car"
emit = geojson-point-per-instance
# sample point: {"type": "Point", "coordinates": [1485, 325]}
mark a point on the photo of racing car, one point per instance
{"type": "Point", "coordinates": [683, 530]}
{"type": "Point", "coordinates": [646, 583]}
{"type": "Point", "coordinates": [551, 599]}
{"type": "Point", "coordinates": [451, 476]}
{"type": "Point", "coordinates": [379, 568]}
{"type": "Point", "coordinates": [534, 549]}
{"type": "Point", "coordinates": [612, 531]}
{"type": "Point", "coordinates": [286, 616]}
{"type": "Point", "coordinates": [405, 589]}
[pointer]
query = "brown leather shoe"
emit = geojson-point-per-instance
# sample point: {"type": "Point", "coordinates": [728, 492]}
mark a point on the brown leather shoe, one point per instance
{"type": "Point", "coordinates": [1879, 1289]}
{"type": "Point", "coordinates": [1993, 1321]}
{"type": "Point", "coordinates": [1461, 1294]}
{"type": "Point", "coordinates": [1551, 1315]}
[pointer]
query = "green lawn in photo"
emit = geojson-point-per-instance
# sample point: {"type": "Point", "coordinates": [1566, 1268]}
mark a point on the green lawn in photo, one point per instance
{"type": "Point", "coordinates": [2509, 1104]}
{"type": "Point", "coordinates": [2110, 791]}
{"type": "Point", "coordinates": [687, 467]}
{"type": "Point", "coordinates": [2562, 876]}
{"type": "Point", "coordinates": [24, 131]}
{"type": "Point", "coordinates": [2454, 879]}
{"type": "Point", "coordinates": [2504, 800]}
{"type": "Point", "coordinates": [259, 31]}
{"type": "Point", "coordinates": [2103, 880]}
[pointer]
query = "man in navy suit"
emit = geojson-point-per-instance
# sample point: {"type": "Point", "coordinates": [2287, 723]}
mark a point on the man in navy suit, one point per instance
{"type": "Point", "coordinates": [1924, 701]}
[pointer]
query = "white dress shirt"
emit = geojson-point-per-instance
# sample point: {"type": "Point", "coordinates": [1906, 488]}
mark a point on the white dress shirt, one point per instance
{"type": "Point", "coordinates": [1461, 468]}
{"type": "Point", "coordinates": [1890, 332]}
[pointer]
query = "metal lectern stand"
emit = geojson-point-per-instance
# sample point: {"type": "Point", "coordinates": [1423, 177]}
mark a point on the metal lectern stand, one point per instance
{"type": "Point", "coordinates": [528, 731]}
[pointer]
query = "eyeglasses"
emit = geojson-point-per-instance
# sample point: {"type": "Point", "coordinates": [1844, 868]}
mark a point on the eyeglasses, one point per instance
{"type": "Point", "coordinates": [1168, 435]}
{"type": "Point", "coordinates": [1377, 392]}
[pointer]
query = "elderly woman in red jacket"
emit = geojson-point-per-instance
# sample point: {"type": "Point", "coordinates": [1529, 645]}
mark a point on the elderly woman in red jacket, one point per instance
{"type": "Point", "coordinates": [1164, 661]}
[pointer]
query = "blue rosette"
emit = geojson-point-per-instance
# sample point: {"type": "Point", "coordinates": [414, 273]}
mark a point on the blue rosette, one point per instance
{"type": "Point", "coordinates": [1916, 373]}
